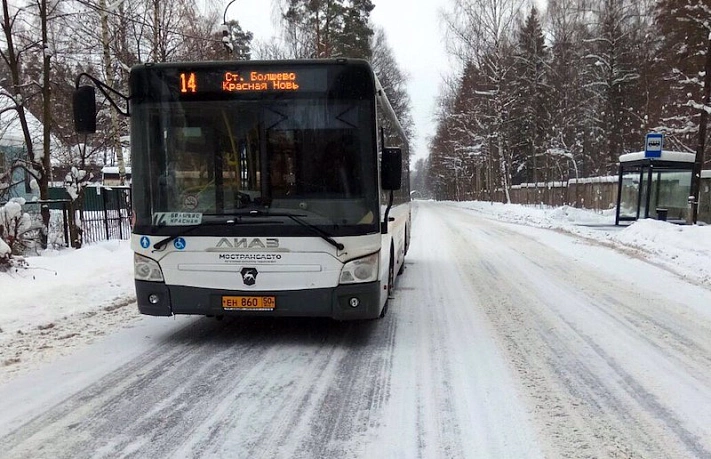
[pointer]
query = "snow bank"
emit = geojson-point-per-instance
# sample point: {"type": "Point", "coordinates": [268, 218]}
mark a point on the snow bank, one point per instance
{"type": "Point", "coordinates": [683, 249]}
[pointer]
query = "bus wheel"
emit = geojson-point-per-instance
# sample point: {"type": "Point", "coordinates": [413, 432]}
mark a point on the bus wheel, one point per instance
{"type": "Point", "coordinates": [391, 282]}
{"type": "Point", "coordinates": [407, 239]}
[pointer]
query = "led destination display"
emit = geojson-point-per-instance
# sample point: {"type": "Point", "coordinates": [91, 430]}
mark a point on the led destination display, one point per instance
{"type": "Point", "coordinates": [251, 81]}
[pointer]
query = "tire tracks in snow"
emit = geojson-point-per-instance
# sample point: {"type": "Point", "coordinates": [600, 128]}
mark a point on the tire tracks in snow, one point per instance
{"type": "Point", "coordinates": [590, 398]}
{"type": "Point", "coordinates": [453, 396]}
{"type": "Point", "coordinates": [237, 388]}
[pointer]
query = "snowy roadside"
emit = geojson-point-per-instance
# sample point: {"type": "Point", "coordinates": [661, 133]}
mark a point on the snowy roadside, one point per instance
{"type": "Point", "coordinates": [63, 300]}
{"type": "Point", "coordinates": [684, 250]}
{"type": "Point", "coordinates": [68, 298]}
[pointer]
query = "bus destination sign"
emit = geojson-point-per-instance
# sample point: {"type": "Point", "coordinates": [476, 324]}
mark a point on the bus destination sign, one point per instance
{"type": "Point", "coordinates": [250, 81]}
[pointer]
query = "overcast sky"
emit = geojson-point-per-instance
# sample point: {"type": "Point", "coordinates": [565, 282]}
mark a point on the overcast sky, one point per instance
{"type": "Point", "coordinates": [415, 34]}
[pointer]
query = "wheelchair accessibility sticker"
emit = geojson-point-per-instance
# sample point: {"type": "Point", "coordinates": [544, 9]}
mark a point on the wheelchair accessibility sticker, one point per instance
{"type": "Point", "coordinates": [179, 243]}
{"type": "Point", "coordinates": [145, 242]}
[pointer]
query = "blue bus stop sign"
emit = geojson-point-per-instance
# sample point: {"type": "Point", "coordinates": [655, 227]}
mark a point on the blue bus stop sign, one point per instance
{"type": "Point", "coordinates": [653, 145]}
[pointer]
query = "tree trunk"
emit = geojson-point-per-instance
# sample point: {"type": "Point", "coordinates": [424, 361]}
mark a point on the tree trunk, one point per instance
{"type": "Point", "coordinates": [112, 80]}
{"type": "Point", "coordinates": [46, 127]}
{"type": "Point", "coordinates": [504, 169]}
{"type": "Point", "coordinates": [703, 120]}
{"type": "Point", "coordinates": [14, 68]}
{"type": "Point", "coordinates": [156, 29]}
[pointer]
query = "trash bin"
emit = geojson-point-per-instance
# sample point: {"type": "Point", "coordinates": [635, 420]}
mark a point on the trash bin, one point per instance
{"type": "Point", "coordinates": [662, 214]}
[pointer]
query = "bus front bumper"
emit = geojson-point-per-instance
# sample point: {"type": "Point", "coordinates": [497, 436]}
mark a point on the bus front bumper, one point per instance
{"type": "Point", "coordinates": [159, 299]}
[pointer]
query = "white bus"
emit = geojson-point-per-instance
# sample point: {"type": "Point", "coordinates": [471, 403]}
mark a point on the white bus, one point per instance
{"type": "Point", "coordinates": [265, 188]}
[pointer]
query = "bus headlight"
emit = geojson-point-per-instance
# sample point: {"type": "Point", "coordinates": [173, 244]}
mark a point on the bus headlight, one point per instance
{"type": "Point", "coordinates": [146, 269]}
{"type": "Point", "coordinates": [361, 270]}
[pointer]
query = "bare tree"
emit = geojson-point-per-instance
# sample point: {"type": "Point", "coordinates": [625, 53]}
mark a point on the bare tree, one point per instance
{"type": "Point", "coordinates": [393, 80]}
{"type": "Point", "coordinates": [19, 47]}
{"type": "Point", "coordinates": [480, 32]}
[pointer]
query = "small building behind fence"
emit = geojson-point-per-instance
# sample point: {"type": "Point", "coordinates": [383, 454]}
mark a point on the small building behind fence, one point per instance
{"type": "Point", "coordinates": [110, 176]}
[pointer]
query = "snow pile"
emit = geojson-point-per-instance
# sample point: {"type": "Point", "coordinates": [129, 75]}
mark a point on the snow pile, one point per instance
{"type": "Point", "coordinates": [4, 250]}
{"type": "Point", "coordinates": [13, 223]}
{"type": "Point", "coordinates": [61, 300]}
{"type": "Point", "coordinates": [12, 220]}
{"type": "Point", "coordinates": [683, 249]}
{"type": "Point", "coordinates": [539, 216]}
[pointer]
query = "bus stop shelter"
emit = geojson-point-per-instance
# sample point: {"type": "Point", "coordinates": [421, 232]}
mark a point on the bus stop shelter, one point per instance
{"type": "Point", "coordinates": [654, 187]}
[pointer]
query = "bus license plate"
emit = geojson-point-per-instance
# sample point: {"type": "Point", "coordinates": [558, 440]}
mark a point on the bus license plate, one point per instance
{"type": "Point", "coordinates": [249, 302]}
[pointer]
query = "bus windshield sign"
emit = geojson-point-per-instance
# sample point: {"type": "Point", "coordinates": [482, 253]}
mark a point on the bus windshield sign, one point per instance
{"type": "Point", "coordinates": [251, 81]}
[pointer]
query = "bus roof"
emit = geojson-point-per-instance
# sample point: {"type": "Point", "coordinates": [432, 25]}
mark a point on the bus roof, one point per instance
{"type": "Point", "coordinates": [219, 64]}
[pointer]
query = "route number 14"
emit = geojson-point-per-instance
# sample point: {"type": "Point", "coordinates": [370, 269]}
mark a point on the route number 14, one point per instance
{"type": "Point", "coordinates": [188, 83]}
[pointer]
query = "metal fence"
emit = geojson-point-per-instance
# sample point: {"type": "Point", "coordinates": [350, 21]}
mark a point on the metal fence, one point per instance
{"type": "Point", "coordinates": [106, 213]}
{"type": "Point", "coordinates": [58, 234]}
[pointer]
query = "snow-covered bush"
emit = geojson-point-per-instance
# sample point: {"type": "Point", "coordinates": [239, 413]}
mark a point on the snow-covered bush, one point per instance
{"type": "Point", "coordinates": [75, 183]}
{"type": "Point", "coordinates": [14, 227]}
{"type": "Point", "coordinates": [5, 254]}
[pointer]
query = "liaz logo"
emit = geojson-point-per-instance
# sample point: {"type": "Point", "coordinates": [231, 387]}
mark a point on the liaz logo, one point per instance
{"type": "Point", "coordinates": [245, 243]}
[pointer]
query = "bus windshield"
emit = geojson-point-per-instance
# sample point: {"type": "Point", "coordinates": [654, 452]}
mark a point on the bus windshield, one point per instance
{"type": "Point", "coordinates": [219, 158]}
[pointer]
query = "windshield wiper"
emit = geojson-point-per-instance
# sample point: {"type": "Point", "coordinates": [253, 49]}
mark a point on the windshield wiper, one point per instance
{"type": "Point", "coordinates": [251, 213]}
{"type": "Point", "coordinates": [163, 242]}
{"type": "Point", "coordinates": [296, 218]}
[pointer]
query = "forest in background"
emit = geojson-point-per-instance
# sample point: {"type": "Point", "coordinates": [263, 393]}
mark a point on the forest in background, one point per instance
{"type": "Point", "coordinates": [547, 96]}
{"type": "Point", "coordinates": [536, 96]}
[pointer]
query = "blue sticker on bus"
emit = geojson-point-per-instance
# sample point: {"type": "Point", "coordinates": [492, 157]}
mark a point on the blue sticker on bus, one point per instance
{"type": "Point", "coordinates": [145, 242]}
{"type": "Point", "coordinates": [179, 243]}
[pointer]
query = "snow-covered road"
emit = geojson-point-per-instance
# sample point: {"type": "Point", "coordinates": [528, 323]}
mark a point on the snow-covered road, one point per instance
{"type": "Point", "coordinates": [502, 341]}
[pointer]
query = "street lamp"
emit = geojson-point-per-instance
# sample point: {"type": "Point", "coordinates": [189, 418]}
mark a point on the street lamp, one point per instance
{"type": "Point", "coordinates": [227, 30]}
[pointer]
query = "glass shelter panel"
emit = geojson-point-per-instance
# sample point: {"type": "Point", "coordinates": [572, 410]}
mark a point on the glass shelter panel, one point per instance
{"type": "Point", "coordinates": [630, 194]}
{"type": "Point", "coordinates": [670, 191]}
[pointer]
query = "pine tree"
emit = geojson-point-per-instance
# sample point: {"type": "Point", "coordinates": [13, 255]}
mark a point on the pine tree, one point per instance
{"type": "Point", "coordinates": [567, 95]}
{"type": "Point", "coordinates": [316, 24]}
{"type": "Point", "coordinates": [329, 28]}
{"type": "Point", "coordinates": [612, 76]}
{"type": "Point", "coordinates": [357, 32]}
{"type": "Point", "coordinates": [530, 111]}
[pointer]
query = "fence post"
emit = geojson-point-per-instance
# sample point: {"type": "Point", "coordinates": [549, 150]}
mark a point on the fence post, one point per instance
{"type": "Point", "coordinates": [106, 214]}
{"type": "Point", "coordinates": [118, 196]}
{"type": "Point", "coordinates": [65, 217]}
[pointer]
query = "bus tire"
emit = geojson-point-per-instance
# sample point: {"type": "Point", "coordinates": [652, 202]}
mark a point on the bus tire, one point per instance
{"type": "Point", "coordinates": [407, 246]}
{"type": "Point", "coordinates": [391, 282]}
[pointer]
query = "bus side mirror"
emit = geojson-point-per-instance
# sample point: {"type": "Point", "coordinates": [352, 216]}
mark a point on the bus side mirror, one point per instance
{"type": "Point", "coordinates": [84, 107]}
{"type": "Point", "coordinates": [391, 169]}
